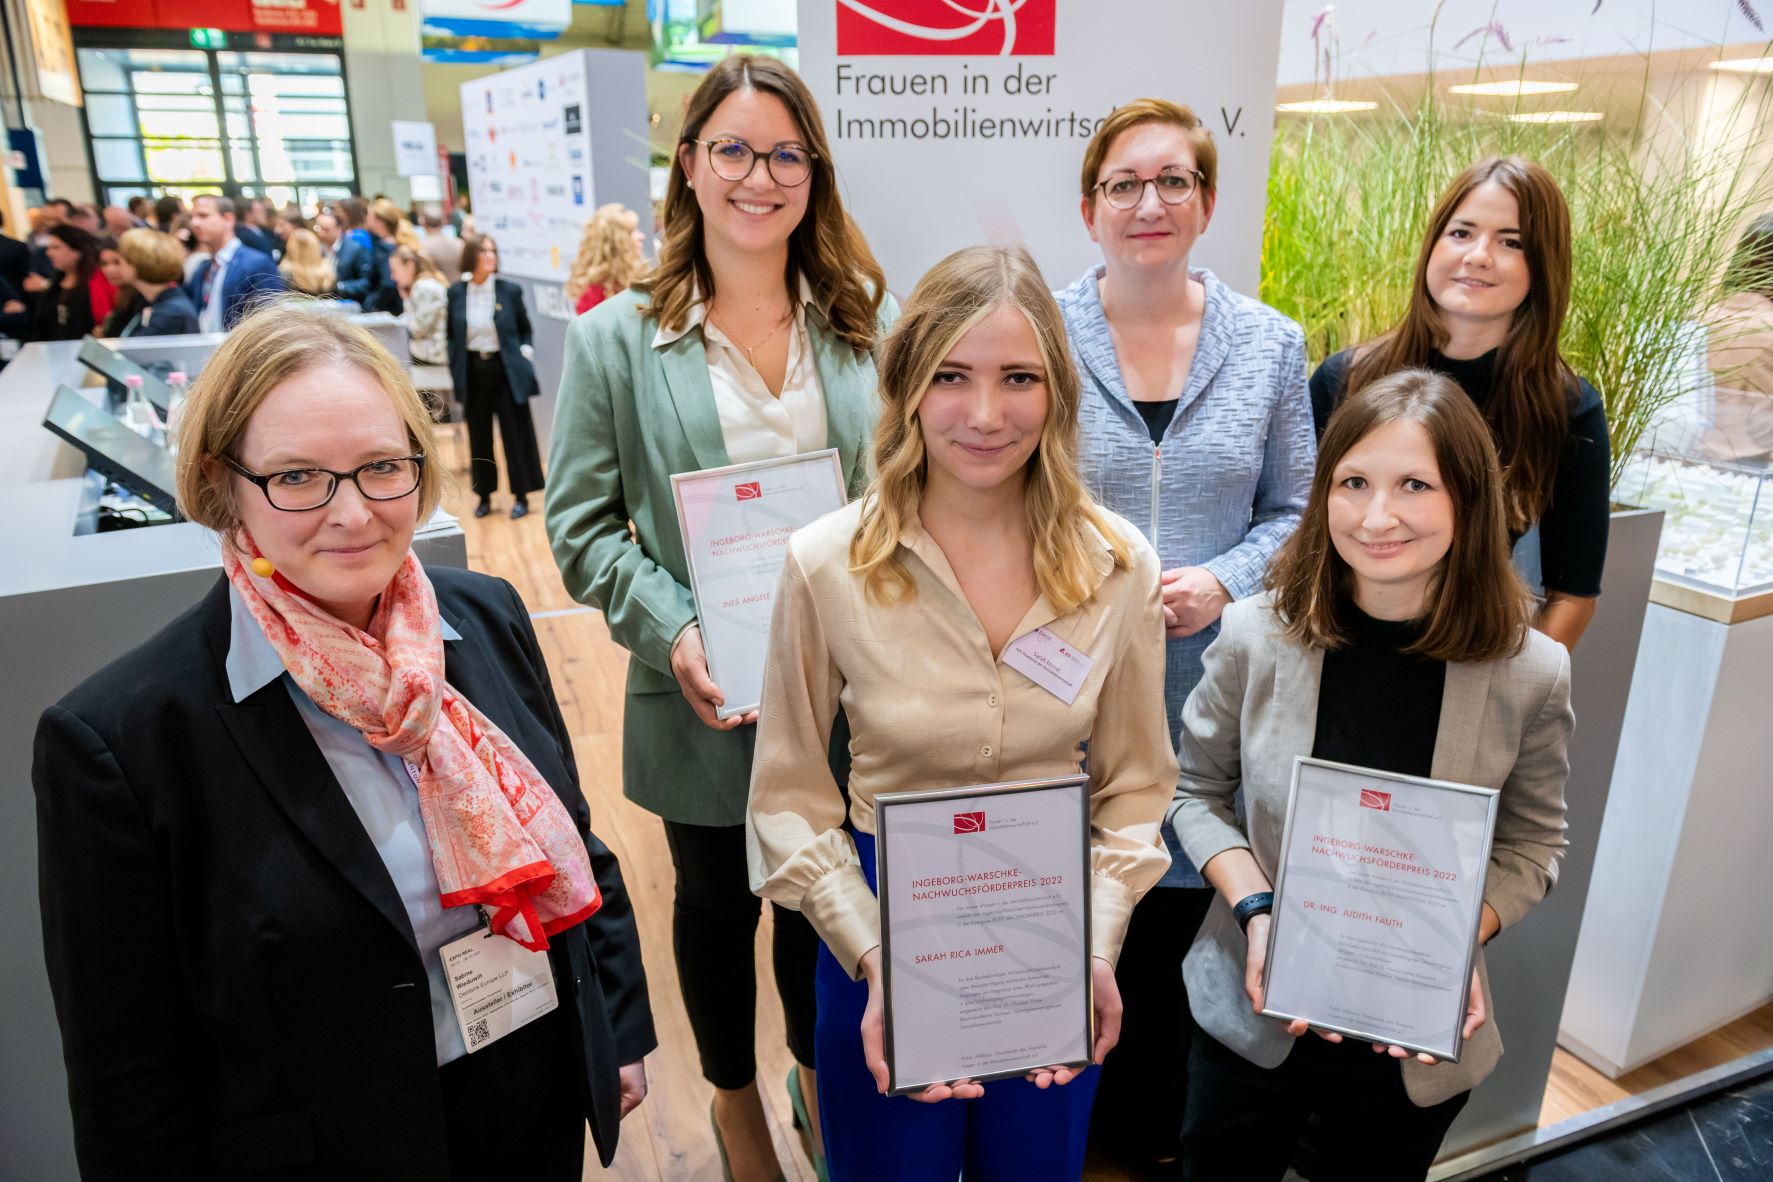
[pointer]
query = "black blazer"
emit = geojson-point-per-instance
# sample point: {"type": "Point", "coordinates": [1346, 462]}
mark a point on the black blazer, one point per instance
{"type": "Point", "coordinates": [237, 983]}
{"type": "Point", "coordinates": [511, 319]}
{"type": "Point", "coordinates": [174, 315]}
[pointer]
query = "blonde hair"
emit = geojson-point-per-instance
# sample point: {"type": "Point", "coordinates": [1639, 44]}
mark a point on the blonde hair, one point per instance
{"type": "Point", "coordinates": [305, 266]}
{"type": "Point", "coordinates": [955, 295]}
{"type": "Point", "coordinates": [155, 257]}
{"type": "Point", "coordinates": [423, 265]}
{"type": "Point", "coordinates": [608, 254]}
{"type": "Point", "coordinates": [278, 341]}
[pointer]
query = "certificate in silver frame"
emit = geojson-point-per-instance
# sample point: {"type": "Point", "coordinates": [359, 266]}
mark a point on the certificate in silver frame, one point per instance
{"type": "Point", "coordinates": [890, 807]}
{"type": "Point", "coordinates": [719, 629]}
{"type": "Point", "coordinates": [1467, 922]}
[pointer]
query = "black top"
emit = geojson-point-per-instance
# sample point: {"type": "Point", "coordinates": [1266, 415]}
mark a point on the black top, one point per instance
{"type": "Point", "coordinates": [1377, 706]}
{"type": "Point", "coordinates": [173, 315]}
{"type": "Point", "coordinates": [1157, 416]}
{"type": "Point", "coordinates": [1573, 529]}
{"type": "Point", "coordinates": [64, 313]}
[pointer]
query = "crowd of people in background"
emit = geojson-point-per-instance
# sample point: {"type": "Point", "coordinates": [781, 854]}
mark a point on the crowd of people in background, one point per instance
{"type": "Point", "coordinates": [172, 265]}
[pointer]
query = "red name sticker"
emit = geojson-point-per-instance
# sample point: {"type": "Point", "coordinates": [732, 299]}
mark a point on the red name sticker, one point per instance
{"type": "Point", "coordinates": [1375, 800]}
{"type": "Point", "coordinates": [749, 492]}
{"type": "Point", "coordinates": [950, 28]}
{"type": "Point", "coordinates": [969, 822]}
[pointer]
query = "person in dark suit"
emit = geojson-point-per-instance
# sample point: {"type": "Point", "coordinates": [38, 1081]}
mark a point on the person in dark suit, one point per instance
{"type": "Point", "coordinates": [249, 875]}
{"type": "Point", "coordinates": [254, 227]}
{"type": "Point", "coordinates": [153, 264]}
{"type": "Point", "coordinates": [227, 284]}
{"type": "Point", "coordinates": [15, 258]}
{"type": "Point", "coordinates": [489, 362]}
{"type": "Point", "coordinates": [362, 269]}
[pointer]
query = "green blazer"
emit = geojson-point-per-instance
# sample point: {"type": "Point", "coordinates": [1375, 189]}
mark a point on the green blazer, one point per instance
{"type": "Point", "coordinates": [627, 417]}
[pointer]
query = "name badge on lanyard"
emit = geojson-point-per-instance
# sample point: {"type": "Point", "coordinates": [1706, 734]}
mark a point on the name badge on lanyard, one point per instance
{"type": "Point", "coordinates": [496, 984]}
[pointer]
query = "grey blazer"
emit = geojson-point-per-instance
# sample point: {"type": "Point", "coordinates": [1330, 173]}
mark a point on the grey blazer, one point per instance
{"type": "Point", "coordinates": [1505, 724]}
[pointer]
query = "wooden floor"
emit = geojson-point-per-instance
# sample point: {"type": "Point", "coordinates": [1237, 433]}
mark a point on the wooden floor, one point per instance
{"type": "Point", "coordinates": [668, 1137]}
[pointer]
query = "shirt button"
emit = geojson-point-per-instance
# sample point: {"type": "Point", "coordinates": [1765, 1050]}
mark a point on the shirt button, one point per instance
{"type": "Point", "coordinates": [992, 700]}
{"type": "Point", "coordinates": [985, 751]}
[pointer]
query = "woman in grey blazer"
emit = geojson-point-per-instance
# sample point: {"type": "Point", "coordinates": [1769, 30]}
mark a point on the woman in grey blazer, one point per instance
{"type": "Point", "coordinates": [751, 340]}
{"type": "Point", "coordinates": [1395, 635]}
{"type": "Point", "coordinates": [1194, 425]}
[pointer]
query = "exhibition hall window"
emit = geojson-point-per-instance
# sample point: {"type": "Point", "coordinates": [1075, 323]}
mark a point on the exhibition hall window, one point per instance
{"type": "Point", "coordinates": [189, 121]}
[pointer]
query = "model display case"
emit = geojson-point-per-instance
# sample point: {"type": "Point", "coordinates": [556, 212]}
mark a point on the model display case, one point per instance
{"type": "Point", "coordinates": [1716, 553]}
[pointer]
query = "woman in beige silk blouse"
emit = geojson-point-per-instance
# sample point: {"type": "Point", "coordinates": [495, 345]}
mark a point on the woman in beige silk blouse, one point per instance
{"type": "Point", "coordinates": [975, 531]}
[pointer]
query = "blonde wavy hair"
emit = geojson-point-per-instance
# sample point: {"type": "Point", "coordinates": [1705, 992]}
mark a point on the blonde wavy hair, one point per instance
{"type": "Point", "coordinates": [276, 342]}
{"type": "Point", "coordinates": [608, 254]}
{"type": "Point", "coordinates": [955, 295]}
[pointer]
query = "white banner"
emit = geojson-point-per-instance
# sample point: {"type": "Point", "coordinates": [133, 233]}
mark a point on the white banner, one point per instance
{"type": "Point", "coordinates": [529, 163]}
{"type": "Point", "coordinates": [954, 122]}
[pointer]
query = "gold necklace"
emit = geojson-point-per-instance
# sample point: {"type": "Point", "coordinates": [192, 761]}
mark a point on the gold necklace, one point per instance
{"type": "Point", "coordinates": [751, 350]}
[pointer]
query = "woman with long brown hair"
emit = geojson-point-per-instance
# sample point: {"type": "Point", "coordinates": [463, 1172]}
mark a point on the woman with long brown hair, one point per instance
{"type": "Point", "coordinates": [1394, 636]}
{"type": "Point", "coordinates": [977, 531]}
{"type": "Point", "coordinates": [1491, 288]}
{"type": "Point", "coordinates": [752, 339]}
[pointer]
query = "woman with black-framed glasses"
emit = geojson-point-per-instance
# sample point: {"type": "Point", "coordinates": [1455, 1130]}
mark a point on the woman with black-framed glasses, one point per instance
{"type": "Point", "coordinates": [1195, 425]}
{"type": "Point", "coordinates": [752, 339]}
{"type": "Point", "coordinates": [264, 831]}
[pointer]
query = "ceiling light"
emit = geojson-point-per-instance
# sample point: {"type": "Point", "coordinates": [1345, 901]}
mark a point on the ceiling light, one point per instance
{"type": "Point", "coordinates": [1326, 107]}
{"type": "Point", "coordinates": [1746, 65]}
{"type": "Point", "coordinates": [1557, 117]}
{"type": "Point", "coordinates": [1513, 88]}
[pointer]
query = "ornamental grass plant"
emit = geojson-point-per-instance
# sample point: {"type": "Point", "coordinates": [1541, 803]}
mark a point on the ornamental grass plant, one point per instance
{"type": "Point", "coordinates": [1656, 215]}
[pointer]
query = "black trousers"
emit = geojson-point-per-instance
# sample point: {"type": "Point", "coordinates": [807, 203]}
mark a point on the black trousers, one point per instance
{"type": "Point", "coordinates": [1144, 1088]}
{"type": "Point", "coordinates": [1244, 1122]}
{"type": "Point", "coordinates": [514, 1109]}
{"type": "Point", "coordinates": [489, 396]}
{"type": "Point", "coordinates": [713, 932]}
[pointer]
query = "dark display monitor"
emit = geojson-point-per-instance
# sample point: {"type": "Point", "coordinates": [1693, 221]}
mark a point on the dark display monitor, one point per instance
{"type": "Point", "coordinates": [143, 467]}
{"type": "Point", "coordinates": [114, 367]}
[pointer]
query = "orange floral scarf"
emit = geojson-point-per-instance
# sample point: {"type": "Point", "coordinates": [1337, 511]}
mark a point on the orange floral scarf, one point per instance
{"type": "Point", "coordinates": [499, 835]}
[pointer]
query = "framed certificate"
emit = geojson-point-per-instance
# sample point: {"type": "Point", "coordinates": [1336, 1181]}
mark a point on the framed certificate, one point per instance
{"type": "Point", "coordinates": [735, 523]}
{"type": "Point", "coordinates": [1376, 905]}
{"type": "Point", "coordinates": [985, 930]}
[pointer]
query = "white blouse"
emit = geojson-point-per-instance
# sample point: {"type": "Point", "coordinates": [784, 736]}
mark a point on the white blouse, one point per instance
{"type": "Point", "coordinates": [483, 336]}
{"type": "Point", "coordinates": [756, 424]}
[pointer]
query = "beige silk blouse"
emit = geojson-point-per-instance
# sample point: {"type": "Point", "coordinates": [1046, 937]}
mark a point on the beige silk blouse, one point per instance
{"type": "Point", "coordinates": [930, 707]}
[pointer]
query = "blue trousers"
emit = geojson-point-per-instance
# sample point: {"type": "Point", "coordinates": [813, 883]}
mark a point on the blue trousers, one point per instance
{"type": "Point", "coordinates": [1015, 1132]}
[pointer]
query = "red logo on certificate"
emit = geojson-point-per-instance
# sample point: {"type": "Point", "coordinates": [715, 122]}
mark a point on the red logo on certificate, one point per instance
{"type": "Point", "coordinates": [1371, 799]}
{"type": "Point", "coordinates": [749, 492]}
{"type": "Point", "coordinates": [969, 822]}
{"type": "Point", "coordinates": [951, 28]}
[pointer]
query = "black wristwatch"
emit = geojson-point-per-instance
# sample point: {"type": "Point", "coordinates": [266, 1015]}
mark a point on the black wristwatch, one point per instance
{"type": "Point", "coordinates": [1250, 906]}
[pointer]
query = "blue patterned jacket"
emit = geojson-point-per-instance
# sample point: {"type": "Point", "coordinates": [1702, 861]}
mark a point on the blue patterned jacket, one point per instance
{"type": "Point", "coordinates": [1233, 473]}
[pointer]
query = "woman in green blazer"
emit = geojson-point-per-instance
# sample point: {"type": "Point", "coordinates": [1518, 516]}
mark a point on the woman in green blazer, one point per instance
{"type": "Point", "coordinates": [751, 339]}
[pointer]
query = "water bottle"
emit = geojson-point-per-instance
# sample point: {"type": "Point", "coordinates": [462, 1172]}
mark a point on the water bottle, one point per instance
{"type": "Point", "coordinates": [138, 412]}
{"type": "Point", "coordinates": [181, 389]}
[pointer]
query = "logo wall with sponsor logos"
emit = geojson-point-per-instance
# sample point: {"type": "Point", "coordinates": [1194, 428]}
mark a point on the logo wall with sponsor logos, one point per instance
{"type": "Point", "coordinates": [529, 163]}
{"type": "Point", "coordinates": [954, 122]}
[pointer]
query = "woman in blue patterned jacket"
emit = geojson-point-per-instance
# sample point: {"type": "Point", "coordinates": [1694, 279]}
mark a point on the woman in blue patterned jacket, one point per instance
{"type": "Point", "coordinates": [1196, 426]}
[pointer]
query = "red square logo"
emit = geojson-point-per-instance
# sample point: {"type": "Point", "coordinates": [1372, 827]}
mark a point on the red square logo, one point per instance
{"type": "Point", "coordinates": [969, 822]}
{"type": "Point", "coordinates": [954, 28]}
{"type": "Point", "coordinates": [1371, 799]}
{"type": "Point", "coordinates": [749, 492]}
